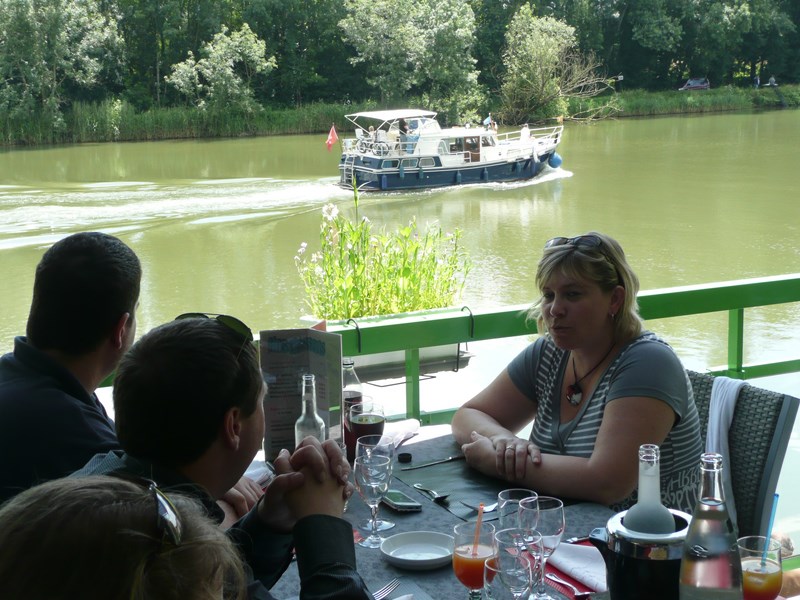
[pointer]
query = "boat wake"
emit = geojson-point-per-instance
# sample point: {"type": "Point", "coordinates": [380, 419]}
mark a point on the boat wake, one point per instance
{"type": "Point", "coordinates": [35, 216]}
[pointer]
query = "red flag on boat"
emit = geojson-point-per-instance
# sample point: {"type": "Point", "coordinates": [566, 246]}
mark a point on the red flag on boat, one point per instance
{"type": "Point", "coordinates": [332, 138]}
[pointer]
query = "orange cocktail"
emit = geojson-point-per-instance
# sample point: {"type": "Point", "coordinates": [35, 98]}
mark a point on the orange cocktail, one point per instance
{"type": "Point", "coordinates": [473, 545]}
{"type": "Point", "coordinates": [468, 561]}
{"type": "Point", "coordinates": [761, 580]}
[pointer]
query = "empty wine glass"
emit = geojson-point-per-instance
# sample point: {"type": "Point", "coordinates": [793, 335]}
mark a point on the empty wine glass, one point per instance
{"type": "Point", "coordinates": [474, 544]}
{"type": "Point", "coordinates": [508, 505]}
{"type": "Point", "coordinates": [371, 445]}
{"type": "Point", "coordinates": [550, 526]}
{"type": "Point", "coordinates": [507, 579]}
{"type": "Point", "coordinates": [372, 475]}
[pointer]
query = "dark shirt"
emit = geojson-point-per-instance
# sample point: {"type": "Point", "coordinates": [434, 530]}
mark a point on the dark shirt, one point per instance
{"type": "Point", "coordinates": [49, 424]}
{"type": "Point", "coordinates": [327, 568]}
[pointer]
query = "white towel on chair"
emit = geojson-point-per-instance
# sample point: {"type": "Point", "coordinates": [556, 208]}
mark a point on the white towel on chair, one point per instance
{"type": "Point", "coordinates": [724, 393]}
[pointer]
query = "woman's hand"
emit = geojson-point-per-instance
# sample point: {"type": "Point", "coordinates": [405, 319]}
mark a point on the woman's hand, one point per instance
{"type": "Point", "coordinates": [513, 455]}
{"type": "Point", "coordinates": [504, 455]}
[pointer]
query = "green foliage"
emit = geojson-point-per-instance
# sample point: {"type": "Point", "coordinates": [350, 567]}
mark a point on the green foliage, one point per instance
{"type": "Point", "coordinates": [47, 50]}
{"type": "Point", "coordinates": [360, 271]}
{"type": "Point", "coordinates": [544, 68]}
{"type": "Point", "coordinates": [221, 80]}
{"type": "Point", "coordinates": [416, 47]}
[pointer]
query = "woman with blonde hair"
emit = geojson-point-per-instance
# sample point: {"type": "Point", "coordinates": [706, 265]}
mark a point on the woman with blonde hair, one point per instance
{"type": "Point", "coordinates": [104, 538]}
{"type": "Point", "coordinates": [596, 386]}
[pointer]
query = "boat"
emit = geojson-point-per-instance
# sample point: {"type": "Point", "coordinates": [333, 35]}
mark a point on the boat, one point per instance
{"type": "Point", "coordinates": [382, 158]}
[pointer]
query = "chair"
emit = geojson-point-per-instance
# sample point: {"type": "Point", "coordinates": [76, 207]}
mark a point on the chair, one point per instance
{"type": "Point", "coordinates": [758, 438]}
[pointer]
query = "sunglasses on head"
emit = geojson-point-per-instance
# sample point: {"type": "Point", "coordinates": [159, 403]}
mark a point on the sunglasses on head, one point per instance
{"type": "Point", "coordinates": [581, 241]}
{"type": "Point", "coordinates": [228, 321]}
{"type": "Point", "coordinates": [168, 522]}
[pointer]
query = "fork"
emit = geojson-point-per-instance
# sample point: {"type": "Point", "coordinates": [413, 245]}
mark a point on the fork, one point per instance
{"type": "Point", "coordinates": [576, 594]}
{"type": "Point", "coordinates": [387, 589]}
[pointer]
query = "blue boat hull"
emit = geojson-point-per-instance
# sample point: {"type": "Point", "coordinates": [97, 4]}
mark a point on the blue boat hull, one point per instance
{"type": "Point", "coordinates": [370, 177]}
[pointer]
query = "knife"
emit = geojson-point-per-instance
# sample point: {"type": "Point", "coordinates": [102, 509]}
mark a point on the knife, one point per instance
{"type": "Point", "coordinates": [434, 462]}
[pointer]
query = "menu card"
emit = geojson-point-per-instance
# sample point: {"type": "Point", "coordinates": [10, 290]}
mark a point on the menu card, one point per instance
{"type": "Point", "coordinates": [286, 355]}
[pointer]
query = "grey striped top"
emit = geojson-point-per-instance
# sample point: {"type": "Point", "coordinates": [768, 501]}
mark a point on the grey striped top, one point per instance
{"type": "Point", "coordinates": [647, 367]}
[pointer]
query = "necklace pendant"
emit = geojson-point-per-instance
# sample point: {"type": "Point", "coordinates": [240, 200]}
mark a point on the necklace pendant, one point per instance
{"type": "Point", "coordinates": [574, 394]}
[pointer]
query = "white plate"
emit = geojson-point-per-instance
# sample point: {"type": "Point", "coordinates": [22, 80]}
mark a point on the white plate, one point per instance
{"type": "Point", "coordinates": [419, 550]}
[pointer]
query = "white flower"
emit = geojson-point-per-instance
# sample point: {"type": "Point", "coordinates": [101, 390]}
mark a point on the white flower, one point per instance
{"type": "Point", "coordinates": [302, 248]}
{"type": "Point", "coordinates": [330, 212]}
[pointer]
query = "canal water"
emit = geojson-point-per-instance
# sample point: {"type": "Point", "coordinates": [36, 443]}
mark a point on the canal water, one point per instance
{"type": "Point", "coordinates": [217, 223]}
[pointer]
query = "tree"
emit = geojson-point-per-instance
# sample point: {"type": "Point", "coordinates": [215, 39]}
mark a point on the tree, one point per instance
{"type": "Point", "coordinates": [544, 67]}
{"type": "Point", "coordinates": [389, 47]}
{"type": "Point", "coordinates": [222, 79]}
{"type": "Point", "coordinates": [422, 47]}
{"type": "Point", "coordinates": [47, 46]}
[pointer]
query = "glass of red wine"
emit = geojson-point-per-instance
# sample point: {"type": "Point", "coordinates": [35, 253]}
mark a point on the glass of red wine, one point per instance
{"type": "Point", "coordinates": [349, 399]}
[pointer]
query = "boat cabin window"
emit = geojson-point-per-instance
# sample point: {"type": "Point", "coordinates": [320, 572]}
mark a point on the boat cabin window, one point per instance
{"type": "Point", "coordinates": [427, 162]}
{"type": "Point", "coordinates": [456, 145]}
{"type": "Point", "coordinates": [488, 140]}
{"type": "Point", "coordinates": [409, 163]}
{"type": "Point", "coordinates": [389, 164]}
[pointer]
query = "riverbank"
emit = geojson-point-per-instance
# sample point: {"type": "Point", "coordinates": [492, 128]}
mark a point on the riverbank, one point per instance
{"type": "Point", "coordinates": [117, 121]}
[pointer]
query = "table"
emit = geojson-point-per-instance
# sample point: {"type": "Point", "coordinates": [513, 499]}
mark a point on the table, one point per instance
{"type": "Point", "coordinates": [436, 442]}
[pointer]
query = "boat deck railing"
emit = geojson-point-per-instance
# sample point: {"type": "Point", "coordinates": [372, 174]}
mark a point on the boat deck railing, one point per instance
{"type": "Point", "coordinates": [413, 331]}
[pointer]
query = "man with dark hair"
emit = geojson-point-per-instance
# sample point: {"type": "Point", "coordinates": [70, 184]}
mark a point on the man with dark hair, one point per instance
{"type": "Point", "coordinates": [82, 320]}
{"type": "Point", "coordinates": [188, 400]}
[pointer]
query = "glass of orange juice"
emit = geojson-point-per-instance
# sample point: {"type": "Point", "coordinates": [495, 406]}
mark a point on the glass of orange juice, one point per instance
{"type": "Point", "coordinates": [761, 567]}
{"type": "Point", "coordinates": [474, 544]}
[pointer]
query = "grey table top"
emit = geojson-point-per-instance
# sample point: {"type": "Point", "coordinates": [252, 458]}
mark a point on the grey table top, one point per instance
{"type": "Point", "coordinates": [440, 584]}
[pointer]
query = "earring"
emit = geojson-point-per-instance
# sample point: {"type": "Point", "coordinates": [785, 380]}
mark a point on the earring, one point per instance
{"type": "Point", "coordinates": [612, 315]}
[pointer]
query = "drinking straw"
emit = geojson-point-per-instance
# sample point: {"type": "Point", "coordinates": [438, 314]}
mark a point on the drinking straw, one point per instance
{"type": "Point", "coordinates": [769, 529]}
{"type": "Point", "coordinates": [477, 530]}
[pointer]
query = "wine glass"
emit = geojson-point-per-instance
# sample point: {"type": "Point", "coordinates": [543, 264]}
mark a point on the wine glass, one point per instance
{"type": "Point", "coordinates": [366, 418]}
{"type": "Point", "coordinates": [474, 544]}
{"type": "Point", "coordinates": [507, 579]}
{"type": "Point", "coordinates": [372, 475]}
{"type": "Point", "coordinates": [508, 505]}
{"type": "Point", "coordinates": [371, 445]}
{"type": "Point", "coordinates": [551, 527]}
{"type": "Point", "coordinates": [761, 567]}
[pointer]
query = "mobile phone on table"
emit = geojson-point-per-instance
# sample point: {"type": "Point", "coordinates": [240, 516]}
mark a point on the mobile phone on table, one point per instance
{"type": "Point", "coordinates": [397, 500]}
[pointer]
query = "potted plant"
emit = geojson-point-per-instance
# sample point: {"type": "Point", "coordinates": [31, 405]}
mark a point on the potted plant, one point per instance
{"type": "Point", "coordinates": [362, 271]}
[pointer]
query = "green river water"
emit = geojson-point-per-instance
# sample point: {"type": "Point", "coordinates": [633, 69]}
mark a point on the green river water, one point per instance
{"type": "Point", "coordinates": [217, 223]}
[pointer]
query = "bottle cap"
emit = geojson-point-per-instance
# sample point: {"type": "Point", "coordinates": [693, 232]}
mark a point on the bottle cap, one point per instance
{"type": "Point", "coordinates": [404, 457]}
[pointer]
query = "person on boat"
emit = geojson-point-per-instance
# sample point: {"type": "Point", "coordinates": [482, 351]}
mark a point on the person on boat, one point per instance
{"type": "Point", "coordinates": [103, 538]}
{"type": "Point", "coordinates": [82, 320]}
{"type": "Point", "coordinates": [771, 82]}
{"type": "Point", "coordinates": [188, 400]}
{"type": "Point", "coordinates": [596, 386]}
{"type": "Point", "coordinates": [402, 126]}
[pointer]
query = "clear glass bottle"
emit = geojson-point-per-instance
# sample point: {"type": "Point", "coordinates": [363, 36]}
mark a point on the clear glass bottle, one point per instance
{"type": "Point", "coordinates": [710, 567]}
{"type": "Point", "coordinates": [352, 393]}
{"type": "Point", "coordinates": [309, 422]}
{"type": "Point", "coordinates": [648, 515]}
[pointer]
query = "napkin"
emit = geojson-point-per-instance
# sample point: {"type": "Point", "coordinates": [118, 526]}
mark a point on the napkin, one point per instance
{"type": "Point", "coordinates": [582, 563]}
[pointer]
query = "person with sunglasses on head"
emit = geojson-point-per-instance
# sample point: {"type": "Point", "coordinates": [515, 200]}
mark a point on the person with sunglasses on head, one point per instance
{"type": "Point", "coordinates": [188, 401]}
{"type": "Point", "coordinates": [103, 538]}
{"type": "Point", "coordinates": [596, 386]}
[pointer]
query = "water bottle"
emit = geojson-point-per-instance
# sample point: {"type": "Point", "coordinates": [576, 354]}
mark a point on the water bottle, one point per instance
{"type": "Point", "coordinates": [352, 393]}
{"type": "Point", "coordinates": [648, 515]}
{"type": "Point", "coordinates": [710, 567]}
{"type": "Point", "coordinates": [309, 422]}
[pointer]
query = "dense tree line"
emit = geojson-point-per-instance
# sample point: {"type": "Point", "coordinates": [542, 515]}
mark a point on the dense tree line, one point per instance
{"type": "Point", "coordinates": [457, 56]}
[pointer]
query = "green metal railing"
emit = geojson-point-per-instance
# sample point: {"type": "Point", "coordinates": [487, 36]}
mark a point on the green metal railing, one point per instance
{"type": "Point", "coordinates": [411, 332]}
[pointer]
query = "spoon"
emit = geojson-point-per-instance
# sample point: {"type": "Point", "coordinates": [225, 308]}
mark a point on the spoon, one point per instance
{"type": "Point", "coordinates": [435, 496]}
